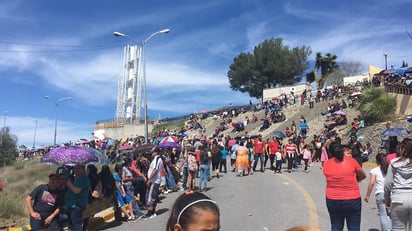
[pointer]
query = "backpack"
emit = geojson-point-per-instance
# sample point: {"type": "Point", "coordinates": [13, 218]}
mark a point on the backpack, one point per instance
{"type": "Point", "coordinates": [192, 165]}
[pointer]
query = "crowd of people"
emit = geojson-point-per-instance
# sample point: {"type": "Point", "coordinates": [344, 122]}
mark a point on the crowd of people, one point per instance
{"type": "Point", "coordinates": [145, 175]}
{"type": "Point", "coordinates": [392, 79]}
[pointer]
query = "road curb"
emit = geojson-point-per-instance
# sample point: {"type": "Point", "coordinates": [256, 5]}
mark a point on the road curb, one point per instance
{"type": "Point", "coordinates": [369, 164]}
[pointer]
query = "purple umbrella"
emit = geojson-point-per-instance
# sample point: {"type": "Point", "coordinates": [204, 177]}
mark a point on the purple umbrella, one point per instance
{"type": "Point", "coordinates": [70, 155]}
{"type": "Point", "coordinates": [340, 112]}
{"type": "Point", "coordinates": [169, 145]}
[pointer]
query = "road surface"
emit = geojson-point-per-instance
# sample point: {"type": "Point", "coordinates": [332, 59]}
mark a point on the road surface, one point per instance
{"type": "Point", "coordinates": [264, 201]}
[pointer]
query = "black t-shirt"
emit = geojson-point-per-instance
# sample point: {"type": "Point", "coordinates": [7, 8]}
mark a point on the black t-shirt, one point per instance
{"type": "Point", "coordinates": [204, 159]}
{"type": "Point", "coordinates": [45, 200]}
{"type": "Point", "coordinates": [356, 149]}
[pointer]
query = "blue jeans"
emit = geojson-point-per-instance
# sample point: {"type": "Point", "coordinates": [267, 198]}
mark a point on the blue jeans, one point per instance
{"type": "Point", "coordinates": [185, 175]}
{"type": "Point", "coordinates": [130, 192]}
{"type": "Point", "coordinates": [170, 179]}
{"type": "Point", "coordinates": [39, 224]}
{"type": "Point", "coordinates": [386, 223]}
{"type": "Point", "coordinates": [258, 157]}
{"type": "Point", "coordinates": [75, 218]}
{"type": "Point", "coordinates": [359, 160]}
{"type": "Point", "coordinates": [203, 171]}
{"type": "Point", "coordinates": [341, 210]}
{"type": "Point", "coordinates": [139, 187]}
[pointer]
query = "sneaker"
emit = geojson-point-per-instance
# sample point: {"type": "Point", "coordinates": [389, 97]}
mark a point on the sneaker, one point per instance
{"type": "Point", "coordinates": [131, 219]}
{"type": "Point", "coordinates": [153, 216]}
{"type": "Point", "coordinates": [142, 217]}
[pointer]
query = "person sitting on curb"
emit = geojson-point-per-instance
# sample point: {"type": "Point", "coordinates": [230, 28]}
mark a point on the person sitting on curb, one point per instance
{"type": "Point", "coordinates": [44, 205]}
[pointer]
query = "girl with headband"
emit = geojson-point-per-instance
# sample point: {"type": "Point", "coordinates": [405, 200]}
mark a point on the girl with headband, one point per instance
{"type": "Point", "coordinates": [193, 211]}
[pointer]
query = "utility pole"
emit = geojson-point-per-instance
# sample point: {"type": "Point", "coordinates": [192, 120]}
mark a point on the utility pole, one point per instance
{"type": "Point", "coordinates": [34, 138]}
{"type": "Point", "coordinates": [3, 129]}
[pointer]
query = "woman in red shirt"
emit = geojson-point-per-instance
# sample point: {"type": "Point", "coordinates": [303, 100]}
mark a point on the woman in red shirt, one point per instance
{"type": "Point", "coordinates": [343, 198]}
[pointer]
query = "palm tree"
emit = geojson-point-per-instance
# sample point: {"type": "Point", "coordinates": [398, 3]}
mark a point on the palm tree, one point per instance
{"type": "Point", "coordinates": [327, 65]}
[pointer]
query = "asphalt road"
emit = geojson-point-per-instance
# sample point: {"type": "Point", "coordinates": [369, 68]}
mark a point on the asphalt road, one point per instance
{"type": "Point", "coordinates": [264, 201]}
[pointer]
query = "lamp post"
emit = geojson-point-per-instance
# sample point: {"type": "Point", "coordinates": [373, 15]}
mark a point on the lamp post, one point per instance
{"type": "Point", "coordinates": [56, 103]}
{"type": "Point", "coordinates": [386, 60]}
{"type": "Point", "coordinates": [142, 44]}
{"type": "Point", "coordinates": [34, 138]}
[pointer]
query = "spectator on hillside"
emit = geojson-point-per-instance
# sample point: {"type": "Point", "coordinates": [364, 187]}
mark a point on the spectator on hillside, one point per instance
{"type": "Point", "coordinates": [304, 128]}
{"type": "Point", "coordinates": [77, 197]}
{"type": "Point", "coordinates": [311, 101]}
{"type": "Point", "coordinates": [153, 183]}
{"type": "Point", "coordinates": [357, 149]}
{"type": "Point", "coordinates": [123, 200]}
{"type": "Point", "coordinates": [44, 204]}
{"type": "Point", "coordinates": [265, 125]}
{"type": "Point", "coordinates": [293, 127]}
{"type": "Point", "coordinates": [384, 139]}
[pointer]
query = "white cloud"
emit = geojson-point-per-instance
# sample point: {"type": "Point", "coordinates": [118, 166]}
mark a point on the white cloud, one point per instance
{"type": "Point", "coordinates": [43, 135]}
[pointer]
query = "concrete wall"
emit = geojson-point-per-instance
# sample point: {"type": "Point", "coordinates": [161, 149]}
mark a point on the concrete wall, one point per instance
{"type": "Point", "coordinates": [353, 79]}
{"type": "Point", "coordinates": [122, 131]}
{"type": "Point", "coordinates": [403, 104]}
{"type": "Point", "coordinates": [270, 93]}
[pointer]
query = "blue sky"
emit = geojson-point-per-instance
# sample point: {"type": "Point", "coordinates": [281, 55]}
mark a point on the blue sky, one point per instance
{"type": "Point", "coordinates": [66, 48]}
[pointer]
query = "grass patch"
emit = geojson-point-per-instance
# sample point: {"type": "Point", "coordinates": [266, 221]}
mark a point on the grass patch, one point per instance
{"type": "Point", "coordinates": [19, 180]}
{"type": "Point", "coordinates": [11, 206]}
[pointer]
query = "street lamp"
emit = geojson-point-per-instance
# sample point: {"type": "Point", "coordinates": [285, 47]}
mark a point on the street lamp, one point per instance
{"type": "Point", "coordinates": [56, 103]}
{"type": "Point", "coordinates": [141, 44]}
{"type": "Point", "coordinates": [386, 60]}
{"type": "Point", "coordinates": [34, 138]}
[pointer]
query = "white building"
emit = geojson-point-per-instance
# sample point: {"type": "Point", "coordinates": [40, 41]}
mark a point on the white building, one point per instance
{"type": "Point", "coordinates": [353, 80]}
{"type": "Point", "coordinates": [270, 93]}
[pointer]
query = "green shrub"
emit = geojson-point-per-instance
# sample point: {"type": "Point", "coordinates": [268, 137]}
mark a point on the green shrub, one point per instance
{"type": "Point", "coordinates": [376, 106]}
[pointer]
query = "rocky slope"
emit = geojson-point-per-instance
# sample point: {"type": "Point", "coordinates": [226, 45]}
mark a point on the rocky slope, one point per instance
{"type": "Point", "coordinates": [371, 134]}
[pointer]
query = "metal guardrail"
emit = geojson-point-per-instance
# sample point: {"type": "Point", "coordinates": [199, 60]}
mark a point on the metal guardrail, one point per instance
{"type": "Point", "coordinates": [113, 123]}
{"type": "Point", "coordinates": [404, 90]}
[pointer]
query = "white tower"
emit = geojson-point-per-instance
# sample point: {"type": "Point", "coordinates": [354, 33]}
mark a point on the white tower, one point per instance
{"type": "Point", "coordinates": [130, 86]}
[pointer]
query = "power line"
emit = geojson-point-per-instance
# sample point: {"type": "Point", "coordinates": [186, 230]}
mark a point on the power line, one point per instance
{"type": "Point", "coordinates": [65, 48]}
{"type": "Point", "coordinates": [57, 51]}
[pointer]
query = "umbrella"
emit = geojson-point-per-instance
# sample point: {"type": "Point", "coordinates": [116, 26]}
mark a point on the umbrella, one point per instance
{"type": "Point", "coordinates": [169, 139]}
{"type": "Point", "coordinates": [125, 147]}
{"type": "Point", "coordinates": [279, 134]}
{"type": "Point", "coordinates": [69, 155]}
{"type": "Point", "coordinates": [203, 111]}
{"type": "Point", "coordinates": [254, 136]}
{"type": "Point", "coordinates": [144, 148]}
{"type": "Point", "coordinates": [329, 123]}
{"type": "Point", "coordinates": [101, 158]}
{"type": "Point", "coordinates": [169, 145]}
{"type": "Point", "coordinates": [395, 132]}
{"type": "Point", "coordinates": [340, 112]}
{"type": "Point", "coordinates": [356, 94]}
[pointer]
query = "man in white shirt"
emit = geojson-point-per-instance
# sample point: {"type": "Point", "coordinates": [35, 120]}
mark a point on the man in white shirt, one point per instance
{"type": "Point", "coordinates": [153, 183]}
